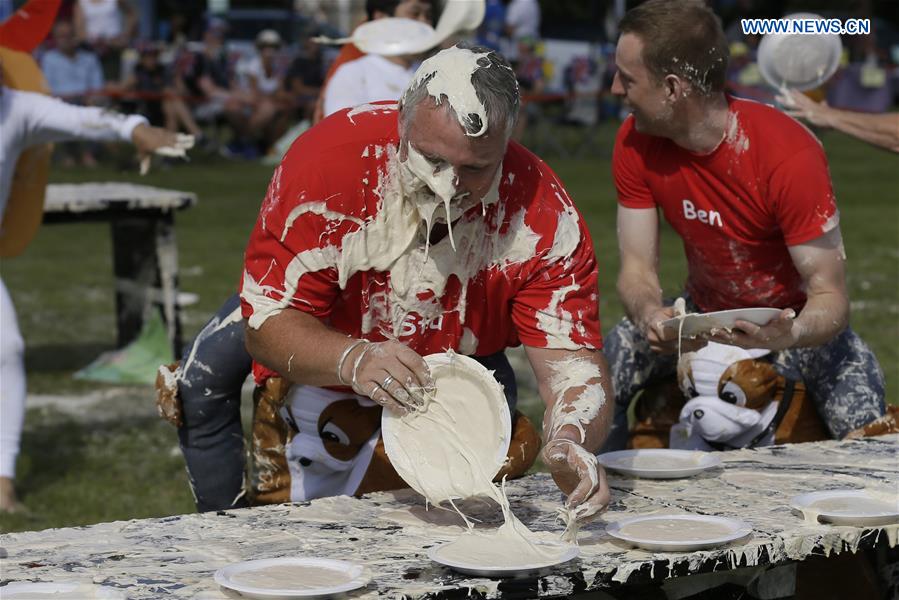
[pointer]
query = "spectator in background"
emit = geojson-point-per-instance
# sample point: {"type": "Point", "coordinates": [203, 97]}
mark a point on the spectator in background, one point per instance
{"type": "Point", "coordinates": [523, 19]}
{"type": "Point", "coordinates": [418, 10]}
{"type": "Point", "coordinates": [583, 83]}
{"type": "Point", "coordinates": [180, 21]}
{"type": "Point", "coordinates": [262, 79]}
{"type": "Point", "coordinates": [528, 66]}
{"type": "Point", "coordinates": [863, 85]}
{"type": "Point", "coordinates": [493, 27]}
{"type": "Point", "coordinates": [304, 79]}
{"type": "Point", "coordinates": [368, 79]}
{"type": "Point", "coordinates": [207, 76]}
{"type": "Point", "coordinates": [156, 96]}
{"type": "Point", "coordinates": [108, 26]}
{"type": "Point", "coordinates": [73, 74]}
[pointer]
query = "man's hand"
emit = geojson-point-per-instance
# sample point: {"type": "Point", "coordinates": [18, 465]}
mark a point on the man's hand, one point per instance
{"type": "Point", "coordinates": [390, 373]}
{"type": "Point", "coordinates": [154, 140]}
{"type": "Point", "coordinates": [579, 476]}
{"type": "Point", "coordinates": [800, 106]}
{"type": "Point", "coordinates": [779, 333]}
{"type": "Point", "coordinates": [664, 339]}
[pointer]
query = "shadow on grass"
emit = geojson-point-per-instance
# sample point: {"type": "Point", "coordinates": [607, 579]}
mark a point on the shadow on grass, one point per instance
{"type": "Point", "coordinates": [48, 358]}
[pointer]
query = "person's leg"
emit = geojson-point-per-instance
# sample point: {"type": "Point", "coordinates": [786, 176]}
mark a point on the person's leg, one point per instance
{"type": "Point", "coordinates": [263, 112]}
{"type": "Point", "coordinates": [844, 379]}
{"type": "Point", "coordinates": [183, 117]}
{"type": "Point", "coordinates": [12, 398]}
{"type": "Point", "coordinates": [213, 371]}
{"type": "Point", "coordinates": [633, 366]}
{"type": "Point", "coordinates": [170, 117]}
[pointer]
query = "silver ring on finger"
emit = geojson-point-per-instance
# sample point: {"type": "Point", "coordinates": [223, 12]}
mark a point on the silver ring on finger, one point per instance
{"type": "Point", "coordinates": [387, 381]}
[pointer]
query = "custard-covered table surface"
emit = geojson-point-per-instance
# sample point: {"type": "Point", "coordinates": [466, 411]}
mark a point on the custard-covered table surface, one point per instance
{"type": "Point", "coordinates": [176, 557]}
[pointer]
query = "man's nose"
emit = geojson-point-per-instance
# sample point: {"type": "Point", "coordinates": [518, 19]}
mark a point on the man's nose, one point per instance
{"type": "Point", "coordinates": [617, 88]}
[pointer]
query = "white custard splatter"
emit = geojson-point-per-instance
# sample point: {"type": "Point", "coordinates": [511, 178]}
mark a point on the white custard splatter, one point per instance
{"type": "Point", "coordinates": [448, 75]}
{"type": "Point", "coordinates": [317, 208]}
{"type": "Point", "coordinates": [211, 328]}
{"type": "Point", "coordinates": [556, 322]}
{"type": "Point", "coordinates": [366, 108]}
{"type": "Point", "coordinates": [571, 374]}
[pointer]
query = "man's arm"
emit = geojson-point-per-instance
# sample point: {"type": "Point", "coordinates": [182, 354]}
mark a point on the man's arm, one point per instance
{"type": "Point", "coordinates": [129, 24]}
{"type": "Point", "coordinates": [95, 75]}
{"type": "Point", "coordinates": [47, 119]}
{"type": "Point", "coordinates": [78, 22]}
{"type": "Point", "coordinates": [283, 343]}
{"type": "Point", "coordinates": [820, 262]}
{"type": "Point", "coordinates": [52, 120]}
{"type": "Point", "coordinates": [881, 130]}
{"type": "Point", "coordinates": [576, 389]}
{"type": "Point", "coordinates": [638, 279]}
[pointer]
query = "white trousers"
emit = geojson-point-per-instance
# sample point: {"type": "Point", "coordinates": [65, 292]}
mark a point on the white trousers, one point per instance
{"type": "Point", "coordinates": [12, 385]}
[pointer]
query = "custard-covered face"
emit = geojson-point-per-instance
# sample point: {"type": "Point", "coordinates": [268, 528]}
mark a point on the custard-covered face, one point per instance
{"type": "Point", "coordinates": [458, 169]}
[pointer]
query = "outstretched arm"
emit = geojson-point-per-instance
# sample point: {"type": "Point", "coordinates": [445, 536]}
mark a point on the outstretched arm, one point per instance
{"type": "Point", "coordinates": [878, 129]}
{"type": "Point", "coordinates": [46, 119]}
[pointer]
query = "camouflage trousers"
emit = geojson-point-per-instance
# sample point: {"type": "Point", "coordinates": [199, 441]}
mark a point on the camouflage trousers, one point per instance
{"type": "Point", "coordinates": [843, 377]}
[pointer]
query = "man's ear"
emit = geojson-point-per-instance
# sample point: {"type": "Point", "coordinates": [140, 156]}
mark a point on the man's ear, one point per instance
{"type": "Point", "coordinates": [675, 88]}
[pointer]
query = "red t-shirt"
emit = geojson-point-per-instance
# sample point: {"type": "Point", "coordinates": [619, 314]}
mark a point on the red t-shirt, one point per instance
{"type": "Point", "coordinates": [737, 209]}
{"type": "Point", "coordinates": [531, 274]}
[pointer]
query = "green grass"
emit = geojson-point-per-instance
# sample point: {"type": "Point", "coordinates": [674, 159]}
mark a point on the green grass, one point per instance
{"type": "Point", "coordinates": [72, 474]}
{"type": "Point", "coordinates": [77, 470]}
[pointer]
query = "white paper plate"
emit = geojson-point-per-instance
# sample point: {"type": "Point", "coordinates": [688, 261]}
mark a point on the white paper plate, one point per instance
{"type": "Point", "coordinates": [729, 531]}
{"type": "Point", "coordinates": [460, 15]}
{"type": "Point", "coordinates": [799, 61]}
{"type": "Point", "coordinates": [60, 590]}
{"type": "Point", "coordinates": [697, 323]}
{"type": "Point", "coordinates": [571, 552]}
{"type": "Point", "coordinates": [659, 463]}
{"type": "Point", "coordinates": [394, 37]}
{"type": "Point", "coordinates": [493, 415]}
{"type": "Point", "coordinates": [355, 575]}
{"type": "Point", "coordinates": [849, 507]}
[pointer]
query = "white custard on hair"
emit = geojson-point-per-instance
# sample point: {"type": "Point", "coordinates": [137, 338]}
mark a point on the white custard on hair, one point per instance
{"type": "Point", "coordinates": [448, 74]}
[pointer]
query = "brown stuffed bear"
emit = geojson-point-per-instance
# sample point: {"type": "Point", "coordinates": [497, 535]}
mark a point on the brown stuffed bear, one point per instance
{"type": "Point", "coordinates": [336, 446]}
{"type": "Point", "coordinates": [327, 444]}
{"type": "Point", "coordinates": [724, 397]}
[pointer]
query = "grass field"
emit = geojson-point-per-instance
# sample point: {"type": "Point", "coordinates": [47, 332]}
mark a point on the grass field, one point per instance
{"type": "Point", "coordinates": [112, 458]}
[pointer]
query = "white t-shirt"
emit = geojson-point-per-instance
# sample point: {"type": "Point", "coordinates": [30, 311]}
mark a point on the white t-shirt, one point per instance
{"type": "Point", "coordinates": [28, 119]}
{"type": "Point", "coordinates": [267, 84]}
{"type": "Point", "coordinates": [523, 16]}
{"type": "Point", "coordinates": [367, 79]}
{"type": "Point", "coordinates": [102, 18]}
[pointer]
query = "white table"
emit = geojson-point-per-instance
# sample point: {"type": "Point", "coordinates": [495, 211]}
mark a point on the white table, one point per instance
{"type": "Point", "coordinates": [145, 252]}
{"type": "Point", "coordinates": [175, 557]}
